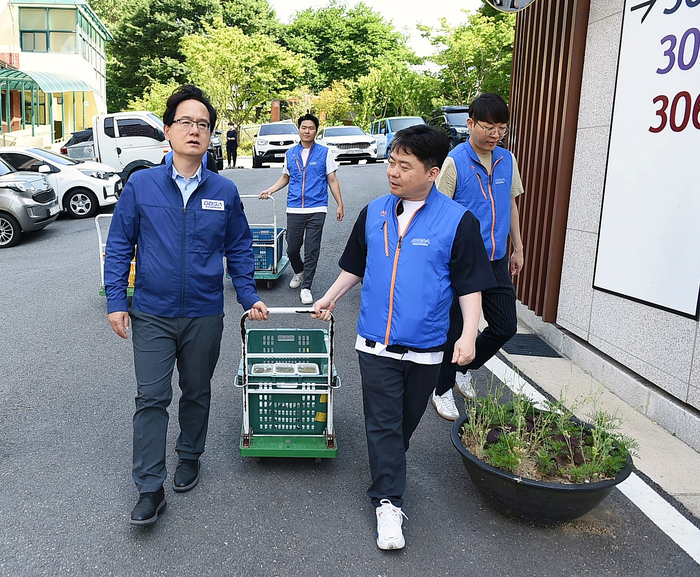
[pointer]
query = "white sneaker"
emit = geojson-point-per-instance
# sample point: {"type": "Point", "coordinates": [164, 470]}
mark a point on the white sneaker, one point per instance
{"type": "Point", "coordinates": [296, 280]}
{"type": "Point", "coordinates": [464, 385]}
{"type": "Point", "coordinates": [389, 521]}
{"type": "Point", "coordinates": [306, 297]}
{"type": "Point", "coordinates": [445, 406]}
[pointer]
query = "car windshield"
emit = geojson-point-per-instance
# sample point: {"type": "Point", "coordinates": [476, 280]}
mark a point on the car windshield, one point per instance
{"type": "Point", "coordinates": [344, 131]}
{"type": "Point", "coordinates": [267, 129]}
{"type": "Point", "coordinates": [401, 123]}
{"type": "Point", "coordinates": [5, 168]}
{"type": "Point", "coordinates": [458, 118]}
{"type": "Point", "coordinates": [54, 156]}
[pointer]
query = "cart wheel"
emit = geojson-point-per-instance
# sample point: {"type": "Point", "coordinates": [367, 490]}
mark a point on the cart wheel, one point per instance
{"type": "Point", "coordinates": [317, 459]}
{"type": "Point", "coordinates": [257, 459]}
{"type": "Point", "coordinates": [269, 284]}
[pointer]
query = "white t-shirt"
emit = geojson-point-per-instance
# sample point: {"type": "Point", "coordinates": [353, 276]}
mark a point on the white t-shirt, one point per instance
{"type": "Point", "coordinates": [331, 166]}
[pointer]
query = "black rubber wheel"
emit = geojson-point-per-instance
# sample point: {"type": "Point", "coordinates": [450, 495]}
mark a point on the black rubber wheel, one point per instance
{"type": "Point", "coordinates": [256, 162]}
{"type": "Point", "coordinates": [220, 164]}
{"type": "Point", "coordinates": [10, 231]}
{"type": "Point", "coordinates": [80, 203]}
{"type": "Point", "coordinates": [269, 284]}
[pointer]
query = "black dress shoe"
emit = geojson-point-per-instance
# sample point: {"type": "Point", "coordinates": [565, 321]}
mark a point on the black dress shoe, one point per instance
{"type": "Point", "coordinates": [186, 475]}
{"type": "Point", "coordinates": [147, 508]}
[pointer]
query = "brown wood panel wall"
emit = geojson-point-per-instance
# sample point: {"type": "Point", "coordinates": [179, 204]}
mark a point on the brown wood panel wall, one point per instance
{"type": "Point", "coordinates": [550, 38]}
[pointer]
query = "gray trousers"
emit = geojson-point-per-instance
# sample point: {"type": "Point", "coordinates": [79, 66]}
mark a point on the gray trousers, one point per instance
{"type": "Point", "coordinates": [305, 229]}
{"type": "Point", "coordinates": [394, 397]}
{"type": "Point", "coordinates": [159, 342]}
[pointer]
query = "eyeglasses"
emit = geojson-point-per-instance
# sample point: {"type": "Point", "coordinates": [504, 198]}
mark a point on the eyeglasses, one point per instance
{"type": "Point", "coordinates": [493, 129]}
{"type": "Point", "coordinates": [186, 124]}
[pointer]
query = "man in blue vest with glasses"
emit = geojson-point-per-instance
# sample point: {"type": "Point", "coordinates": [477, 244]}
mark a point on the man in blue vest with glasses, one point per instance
{"type": "Point", "coordinates": [484, 178]}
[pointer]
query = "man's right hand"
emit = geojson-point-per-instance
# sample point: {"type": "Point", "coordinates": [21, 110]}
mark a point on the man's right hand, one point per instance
{"type": "Point", "coordinates": [120, 323]}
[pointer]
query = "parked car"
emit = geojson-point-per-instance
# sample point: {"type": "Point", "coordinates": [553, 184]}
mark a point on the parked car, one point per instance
{"type": "Point", "coordinates": [348, 143]}
{"type": "Point", "coordinates": [272, 142]}
{"type": "Point", "coordinates": [27, 203]}
{"type": "Point", "coordinates": [81, 187]}
{"type": "Point", "coordinates": [383, 130]}
{"type": "Point", "coordinates": [453, 120]}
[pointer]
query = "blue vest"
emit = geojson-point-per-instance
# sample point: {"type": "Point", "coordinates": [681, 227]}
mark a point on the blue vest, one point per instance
{"type": "Point", "coordinates": [308, 185]}
{"type": "Point", "coordinates": [487, 198]}
{"type": "Point", "coordinates": [406, 291]}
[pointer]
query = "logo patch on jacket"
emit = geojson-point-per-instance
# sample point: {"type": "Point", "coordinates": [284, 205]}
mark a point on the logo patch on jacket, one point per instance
{"type": "Point", "coordinates": [420, 241]}
{"type": "Point", "coordinates": [500, 181]}
{"type": "Point", "coordinates": [212, 204]}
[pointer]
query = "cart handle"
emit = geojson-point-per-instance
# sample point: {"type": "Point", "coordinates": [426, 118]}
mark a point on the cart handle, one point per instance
{"type": "Point", "coordinates": [291, 310]}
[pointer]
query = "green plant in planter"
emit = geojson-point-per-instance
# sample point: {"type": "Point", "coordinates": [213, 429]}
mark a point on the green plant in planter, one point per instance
{"type": "Point", "coordinates": [547, 444]}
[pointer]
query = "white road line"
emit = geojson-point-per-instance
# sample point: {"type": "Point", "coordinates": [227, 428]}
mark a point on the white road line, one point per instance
{"type": "Point", "coordinates": [661, 512]}
{"type": "Point", "coordinates": [683, 532]}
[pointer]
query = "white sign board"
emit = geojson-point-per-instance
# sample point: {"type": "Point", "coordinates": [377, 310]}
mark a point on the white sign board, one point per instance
{"type": "Point", "coordinates": [649, 241]}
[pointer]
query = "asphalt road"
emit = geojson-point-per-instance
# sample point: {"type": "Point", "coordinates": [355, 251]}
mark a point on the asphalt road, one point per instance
{"type": "Point", "coordinates": [66, 402]}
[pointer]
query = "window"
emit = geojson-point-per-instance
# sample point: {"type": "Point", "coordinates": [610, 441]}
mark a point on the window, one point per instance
{"type": "Point", "coordinates": [135, 127]}
{"type": "Point", "coordinates": [109, 127]}
{"type": "Point", "coordinates": [22, 161]}
{"type": "Point", "coordinates": [48, 30]}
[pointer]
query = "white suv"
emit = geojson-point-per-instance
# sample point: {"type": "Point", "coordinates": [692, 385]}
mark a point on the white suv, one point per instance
{"type": "Point", "coordinates": [273, 141]}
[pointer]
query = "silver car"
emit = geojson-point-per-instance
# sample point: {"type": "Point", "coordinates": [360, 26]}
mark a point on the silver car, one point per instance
{"type": "Point", "coordinates": [27, 203]}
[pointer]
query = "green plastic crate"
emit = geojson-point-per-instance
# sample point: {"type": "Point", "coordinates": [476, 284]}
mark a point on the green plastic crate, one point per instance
{"type": "Point", "coordinates": [274, 411]}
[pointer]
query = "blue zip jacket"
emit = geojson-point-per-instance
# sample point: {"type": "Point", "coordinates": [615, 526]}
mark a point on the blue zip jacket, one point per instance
{"type": "Point", "coordinates": [488, 198]}
{"type": "Point", "coordinates": [179, 261]}
{"type": "Point", "coordinates": [308, 185]}
{"type": "Point", "coordinates": [407, 279]}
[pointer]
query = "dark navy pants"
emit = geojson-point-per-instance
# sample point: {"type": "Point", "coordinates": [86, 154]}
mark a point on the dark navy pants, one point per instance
{"type": "Point", "coordinates": [305, 229]}
{"type": "Point", "coordinates": [394, 395]}
{"type": "Point", "coordinates": [160, 342]}
{"type": "Point", "coordinates": [498, 305]}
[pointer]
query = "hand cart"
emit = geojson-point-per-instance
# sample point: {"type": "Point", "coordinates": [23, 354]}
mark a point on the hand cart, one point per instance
{"type": "Point", "coordinates": [288, 379]}
{"type": "Point", "coordinates": [102, 222]}
{"type": "Point", "coordinates": [268, 246]}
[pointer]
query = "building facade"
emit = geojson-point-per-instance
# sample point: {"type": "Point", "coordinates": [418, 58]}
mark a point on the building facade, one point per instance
{"type": "Point", "coordinates": [52, 70]}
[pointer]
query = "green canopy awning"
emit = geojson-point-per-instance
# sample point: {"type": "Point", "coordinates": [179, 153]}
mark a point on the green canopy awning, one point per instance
{"type": "Point", "coordinates": [48, 81]}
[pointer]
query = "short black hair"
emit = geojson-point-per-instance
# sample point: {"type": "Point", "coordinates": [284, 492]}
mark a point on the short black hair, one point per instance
{"type": "Point", "coordinates": [428, 144]}
{"type": "Point", "coordinates": [187, 92]}
{"type": "Point", "coordinates": [230, 123]}
{"type": "Point", "coordinates": [489, 107]}
{"type": "Point", "coordinates": [310, 117]}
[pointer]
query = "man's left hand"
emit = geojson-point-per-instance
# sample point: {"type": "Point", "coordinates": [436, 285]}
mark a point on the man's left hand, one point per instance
{"type": "Point", "coordinates": [258, 312]}
{"type": "Point", "coordinates": [464, 351]}
{"type": "Point", "coordinates": [517, 259]}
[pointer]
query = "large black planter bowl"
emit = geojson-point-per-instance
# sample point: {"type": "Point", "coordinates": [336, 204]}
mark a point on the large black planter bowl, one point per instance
{"type": "Point", "coordinates": [532, 501]}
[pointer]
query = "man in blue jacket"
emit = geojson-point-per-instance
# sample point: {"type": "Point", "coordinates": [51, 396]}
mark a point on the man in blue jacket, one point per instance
{"type": "Point", "coordinates": [309, 169]}
{"type": "Point", "coordinates": [184, 220]}
{"type": "Point", "coordinates": [413, 250]}
{"type": "Point", "coordinates": [484, 178]}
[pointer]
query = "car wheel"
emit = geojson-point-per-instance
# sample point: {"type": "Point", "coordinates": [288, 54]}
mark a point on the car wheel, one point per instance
{"type": "Point", "coordinates": [9, 231]}
{"type": "Point", "coordinates": [80, 203]}
{"type": "Point", "coordinates": [256, 162]}
{"type": "Point", "coordinates": [452, 144]}
{"type": "Point", "coordinates": [371, 160]}
{"type": "Point", "coordinates": [220, 164]}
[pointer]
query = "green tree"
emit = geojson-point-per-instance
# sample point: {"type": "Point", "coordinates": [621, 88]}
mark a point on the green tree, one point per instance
{"type": "Point", "coordinates": [342, 43]}
{"type": "Point", "coordinates": [335, 103]}
{"type": "Point", "coordinates": [146, 45]}
{"type": "Point", "coordinates": [474, 57]}
{"type": "Point", "coordinates": [250, 16]}
{"type": "Point", "coordinates": [239, 72]}
{"type": "Point", "coordinates": [395, 88]}
{"type": "Point", "coordinates": [154, 98]}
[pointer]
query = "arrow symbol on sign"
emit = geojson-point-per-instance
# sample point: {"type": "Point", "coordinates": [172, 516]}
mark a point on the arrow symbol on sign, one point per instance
{"type": "Point", "coordinates": [649, 3]}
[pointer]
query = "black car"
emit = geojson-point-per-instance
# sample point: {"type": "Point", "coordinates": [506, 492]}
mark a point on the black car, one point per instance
{"type": "Point", "coordinates": [453, 120]}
